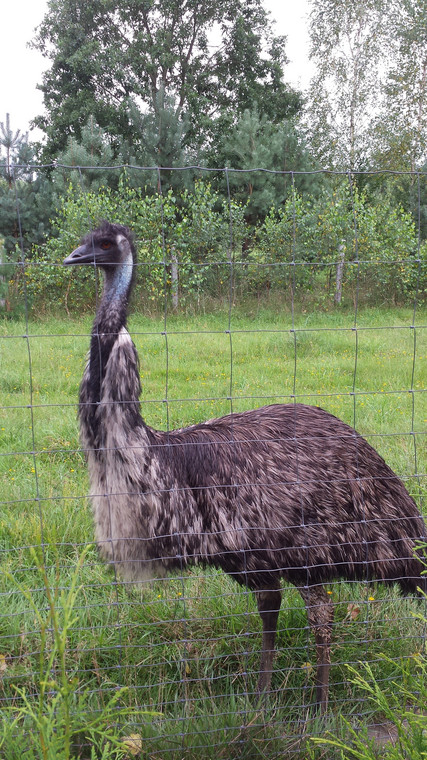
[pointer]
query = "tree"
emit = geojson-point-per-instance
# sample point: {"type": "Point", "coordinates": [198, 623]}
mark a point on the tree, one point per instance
{"type": "Point", "coordinates": [401, 128]}
{"type": "Point", "coordinates": [32, 199]}
{"type": "Point", "coordinates": [255, 142]}
{"type": "Point", "coordinates": [119, 61]}
{"type": "Point", "coordinates": [346, 48]}
{"type": "Point", "coordinates": [94, 153]}
{"type": "Point", "coordinates": [13, 144]}
{"type": "Point", "coordinates": [25, 195]}
{"type": "Point", "coordinates": [399, 133]}
{"type": "Point", "coordinates": [75, 37]}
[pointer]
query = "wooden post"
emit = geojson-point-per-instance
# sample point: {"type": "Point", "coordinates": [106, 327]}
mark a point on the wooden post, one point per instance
{"type": "Point", "coordinates": [340, 272]}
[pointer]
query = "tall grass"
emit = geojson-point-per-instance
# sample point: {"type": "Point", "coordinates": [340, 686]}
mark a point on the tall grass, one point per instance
{"type": "Point", "coordinates": [187, 647]}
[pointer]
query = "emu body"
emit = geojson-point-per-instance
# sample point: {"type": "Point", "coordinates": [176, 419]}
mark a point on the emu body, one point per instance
{"type": "Point", "coordinates": [286, 491]}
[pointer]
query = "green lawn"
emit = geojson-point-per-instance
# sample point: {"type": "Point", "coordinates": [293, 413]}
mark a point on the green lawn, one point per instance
{"type": "Point", "coordinates": [187, 647]}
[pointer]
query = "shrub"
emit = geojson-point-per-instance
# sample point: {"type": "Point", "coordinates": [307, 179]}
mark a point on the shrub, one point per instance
{"type": "Point", "coordinates": [180, 242]}
{"type": "Point", "coordinates": [339, 246]}
{"type": "Point", "coordinates": [348, 242]}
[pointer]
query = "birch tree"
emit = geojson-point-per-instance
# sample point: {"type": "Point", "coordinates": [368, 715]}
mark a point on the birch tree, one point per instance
{"type": "Point", "coordinates": [401, 128]}
{"type": "Point", "coordinates": [345, 46]}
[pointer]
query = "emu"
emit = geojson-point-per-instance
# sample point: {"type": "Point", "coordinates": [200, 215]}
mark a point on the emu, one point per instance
{"type": "Point", "coordinates": [286, 491]}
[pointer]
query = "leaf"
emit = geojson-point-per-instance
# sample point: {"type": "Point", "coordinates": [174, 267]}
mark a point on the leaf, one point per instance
{"type": "Point", "coordinates": [3, 664]}
{"type": "Point", "coordinates": [353, 611]}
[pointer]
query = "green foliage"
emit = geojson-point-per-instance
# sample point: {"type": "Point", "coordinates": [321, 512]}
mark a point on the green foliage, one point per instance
{"type": "Point", "coordinates": [13, 145]}
{"type": "Point", "coordinates": [345, 48]}
{"type": "Point", "coordinates": [400, 129]}
{"type": "Point", "coordinates": [93, 154]}
{"type": "Point", "coordinates": [25, 197]}
{"type": "Point", "coordinates": [256, 142]}
{"type": "Point", "coordinates": [340, 244]}
{"type": "Point", "coordinates": [59, 719]}
{"type": "Point", "coordinates": [283, 238]}
{"type": "Point", "coordinates": [164, 131]}
{"type": "Point", "coordinates": [32, 199]}
{"type": "Point", "coordinates": [12, 305]}
{"type": "Point", "coordinates": [190, 230]}
{"type": "Point", "coordinates": [376, 242]}
{"type": "Point", "coordinates": [120, 61]}
{"type": "Point", "coordinates": [365, 102]}
{"type": "Point", "coordinates": [403, 712]}
{"type": "Point", "coordinates": [80, 82]}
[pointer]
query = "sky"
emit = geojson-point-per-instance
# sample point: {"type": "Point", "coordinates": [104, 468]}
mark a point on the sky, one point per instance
{"type": "Point", "coordinates": [21, 68]}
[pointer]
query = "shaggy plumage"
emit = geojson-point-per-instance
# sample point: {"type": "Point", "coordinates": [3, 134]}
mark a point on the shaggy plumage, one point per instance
{"type": "Point", "coordinates": [285, 491]}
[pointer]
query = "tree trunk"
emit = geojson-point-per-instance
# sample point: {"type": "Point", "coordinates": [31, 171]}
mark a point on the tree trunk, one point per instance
{"type": "Point", "coordinates": [340, 272]}
{"type": "Point", "coordinates": [174, 280]}
{"type": "Point", "coordinates": [2, 280]}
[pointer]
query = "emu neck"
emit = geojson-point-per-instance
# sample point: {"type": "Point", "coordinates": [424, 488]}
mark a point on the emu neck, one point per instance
{"type": "Point", "coordinates": [110, 318]}
{"type": "Point", "coordinates": [111, 315]}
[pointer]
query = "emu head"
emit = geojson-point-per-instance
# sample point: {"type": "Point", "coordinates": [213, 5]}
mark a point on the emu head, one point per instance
{"type": "Point", "coordinates": [109, 247]}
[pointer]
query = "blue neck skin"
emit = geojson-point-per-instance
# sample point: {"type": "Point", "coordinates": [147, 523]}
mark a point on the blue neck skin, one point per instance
{"type": "Point", "coordinates": [118, 286]}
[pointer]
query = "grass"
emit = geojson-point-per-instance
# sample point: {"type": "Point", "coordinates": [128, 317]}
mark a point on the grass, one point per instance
{"type": "Point", "coordinates": [186, 647]}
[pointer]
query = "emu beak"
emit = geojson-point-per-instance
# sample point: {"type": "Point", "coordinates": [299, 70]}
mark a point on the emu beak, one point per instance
{"type": "Point", "coordinates": [84, 254]}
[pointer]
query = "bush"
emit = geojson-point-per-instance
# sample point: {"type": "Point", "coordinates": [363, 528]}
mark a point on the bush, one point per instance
{"type": "Point", "coordinates": [348, 243]}
{"type": "Point", "coordinates": [339, 246]}
{"type": "Point", "coordinates": [181, 240]}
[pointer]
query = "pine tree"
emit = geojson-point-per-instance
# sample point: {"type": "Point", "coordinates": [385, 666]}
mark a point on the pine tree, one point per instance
{"type": "Point", "coordinates": [12, 143]}
{"type": "Point", "coordinates": [256, 143]}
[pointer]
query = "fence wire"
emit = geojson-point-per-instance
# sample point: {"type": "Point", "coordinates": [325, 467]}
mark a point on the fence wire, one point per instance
{"type": "Point", "coordinates": [182, 653]}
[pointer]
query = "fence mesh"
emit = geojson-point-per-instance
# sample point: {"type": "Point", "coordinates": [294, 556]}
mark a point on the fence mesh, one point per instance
{"type": "Point", "coordinates": [180, 656]}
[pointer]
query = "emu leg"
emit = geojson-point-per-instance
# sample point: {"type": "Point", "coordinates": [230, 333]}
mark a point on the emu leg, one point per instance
{"type": "Point", "coordinates": [268, 602]}
{"type": "Point", "coordinates": [320, 613]}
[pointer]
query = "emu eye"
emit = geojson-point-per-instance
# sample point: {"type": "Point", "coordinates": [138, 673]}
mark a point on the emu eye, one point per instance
{"type": "Point", "coordinates": [105, 245]}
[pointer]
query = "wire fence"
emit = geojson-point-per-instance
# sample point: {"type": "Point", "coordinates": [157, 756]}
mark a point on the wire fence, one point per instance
{"type": "Point", "coordinates": [171, 666]}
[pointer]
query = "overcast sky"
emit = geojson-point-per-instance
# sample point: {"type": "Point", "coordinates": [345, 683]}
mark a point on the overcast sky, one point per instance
{"type": "Point", "coordinates": [21, 68]}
